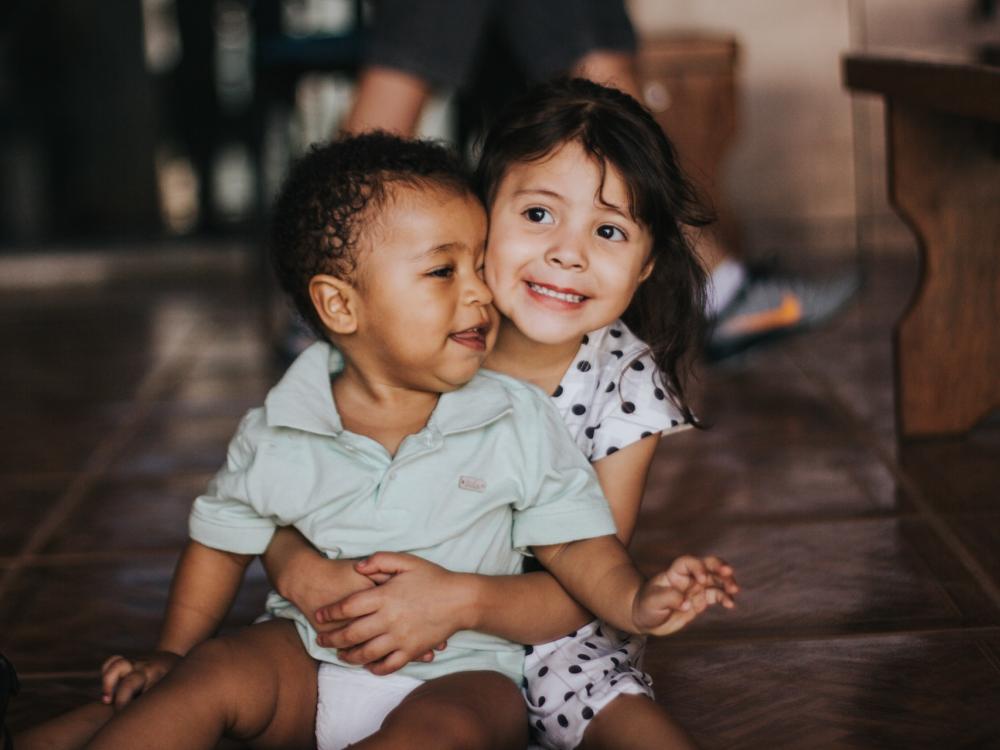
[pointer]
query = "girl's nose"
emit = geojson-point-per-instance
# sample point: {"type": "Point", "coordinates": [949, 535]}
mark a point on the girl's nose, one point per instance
{"type": "Point", "coordinates": [568, 254]}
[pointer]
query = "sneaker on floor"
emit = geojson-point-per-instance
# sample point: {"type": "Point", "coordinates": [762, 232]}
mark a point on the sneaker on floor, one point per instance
{"type": "Point", "coordinates": [769, 307]}
{"type": "Point", "coordinates": [9, 686]}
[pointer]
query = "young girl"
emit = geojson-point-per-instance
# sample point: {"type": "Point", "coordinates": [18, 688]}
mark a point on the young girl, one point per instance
{"type": "Point", "coordinates": [601, 298]}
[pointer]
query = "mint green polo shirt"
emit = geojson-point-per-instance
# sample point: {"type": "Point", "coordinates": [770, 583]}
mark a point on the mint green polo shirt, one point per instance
{"type": "Point", "coordinates": [492, 473]}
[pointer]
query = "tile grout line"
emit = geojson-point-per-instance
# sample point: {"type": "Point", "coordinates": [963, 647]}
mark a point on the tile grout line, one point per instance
{"type": "Point", "coordinates": [167, 370]}
{"type": "Point", "coordinates": [924, 508]}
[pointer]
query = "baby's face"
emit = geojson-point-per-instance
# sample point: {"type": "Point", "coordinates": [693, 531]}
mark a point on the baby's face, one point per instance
{"type": "Point", "coordinates": [425, 312]}
{"type": "Point", "coordinates": [565, 257]}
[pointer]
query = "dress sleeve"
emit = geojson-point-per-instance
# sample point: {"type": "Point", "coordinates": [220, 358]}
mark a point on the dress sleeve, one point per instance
{"type": "Point", "coordinates": [562, 499]}
{"type": "Point", "coordinates": [634, 406]}
{"type": "Point", "coordinates": [223, 517]}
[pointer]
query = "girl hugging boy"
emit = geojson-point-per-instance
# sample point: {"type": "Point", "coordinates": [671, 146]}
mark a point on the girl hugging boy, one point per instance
{"type": "Point", "coordinates": [401, 443]}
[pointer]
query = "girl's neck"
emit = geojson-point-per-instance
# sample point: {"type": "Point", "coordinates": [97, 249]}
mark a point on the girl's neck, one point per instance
{"type": "Point", "coordinates": [541, 364]}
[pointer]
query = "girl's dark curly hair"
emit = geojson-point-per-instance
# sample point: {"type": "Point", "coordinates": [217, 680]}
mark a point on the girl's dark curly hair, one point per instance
{"type": "Point", "coordinates": [332, 197]}
{"type": "Point", "coordinates": [667, 311]}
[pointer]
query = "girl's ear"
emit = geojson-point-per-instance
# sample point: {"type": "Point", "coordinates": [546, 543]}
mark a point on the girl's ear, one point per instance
{"type": "Point", "coordinates": [336, 303]}
{"type": "Point", "coordinates": [647, 269]}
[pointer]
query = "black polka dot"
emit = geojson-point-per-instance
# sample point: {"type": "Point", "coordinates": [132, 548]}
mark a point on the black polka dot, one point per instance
{"type": "Point", "coordinates": [583, 365]}
{"type": "Point", "coordinates": [541, 701]}
{"type": "Point", "coordinates": [611, 450]}
{"type": "Point", "coordinates": [568, 695]}
{"type": "Point", "coordinates": [575, 669]}
{"type": "Point", "coordinates": [615, 332]}
{"type": "Point", "coordinates": [589, 432]}
{"type": "Point", "coordinates": [611, 387]}
{"type": "Point", "coordinates": [586, 339]}
{"type": "Point", "coordinates": [585, 657]}
{"type": "Point", "coordinates": [628, 407]}
{"type": "Point", "coordinates": [624, 651]}
{"type": "Point", "coordinates": [579, 409]}
{"type": "Point", "coordinates": [658, 393]}
{"type": "Point", "coordinates": [588, 644]}
{"type": "Point", "coordinates": [615, 662]}
{"type": "Point", "coordinates": [605, 673]}
{"type": "Point", "coordinates": [599, 632]}
{"type": "Point", "coordinates": [587, 713]}
{"type": "Point", "coordinates": [589, 686]}
{"type": "Point", "coordinates": [614, 682]}
{"type": "Point", "coordinates": [618, 353]}
{"type": "Point", "coordinates": [539, 725]}
{"type": "Point", "coordinates": [529, 649]}
{"type": "Point", "coordinates": [563, 721]}
{"type": "Point", "coordinates": [524, 683]}
{"type": "Point", "coordinates": [571, 635]}
{"type": "Point", "coordinates": [673, 422]}
{"type": "Point", "coordinates": [543, 671]}
{"type": "Point", "coordinates": [646, 434]}
{"type": "Point", "coordinates": [638, 366]}
{"type": "Point", "coordinates": [557, 392]}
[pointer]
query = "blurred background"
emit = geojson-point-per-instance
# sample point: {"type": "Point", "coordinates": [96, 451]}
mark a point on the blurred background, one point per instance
{"type": "Point", "coordinates": [152, 119]}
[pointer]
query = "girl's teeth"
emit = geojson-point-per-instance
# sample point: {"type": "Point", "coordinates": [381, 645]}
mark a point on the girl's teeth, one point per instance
{"type": "Point", "coordinates": [576, 298]}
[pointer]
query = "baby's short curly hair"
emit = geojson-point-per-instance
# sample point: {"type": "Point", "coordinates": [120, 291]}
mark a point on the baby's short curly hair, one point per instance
{"type": "Point", "coordinates": [332, 197]}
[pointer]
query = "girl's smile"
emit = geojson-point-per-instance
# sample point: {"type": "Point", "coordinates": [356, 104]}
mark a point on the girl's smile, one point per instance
{"type": "Point", "coordinates": [565, 255]}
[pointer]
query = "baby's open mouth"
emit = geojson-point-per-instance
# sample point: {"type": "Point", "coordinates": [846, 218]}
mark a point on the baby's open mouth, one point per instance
{"type": "Point", "coordinates": [567, 296]}
{"type": "Point", "coordinates": [474, 338]}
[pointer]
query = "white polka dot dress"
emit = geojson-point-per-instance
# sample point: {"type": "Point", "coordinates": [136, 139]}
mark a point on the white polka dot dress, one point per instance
{"type": "Point", "coordinates": [611, 396]}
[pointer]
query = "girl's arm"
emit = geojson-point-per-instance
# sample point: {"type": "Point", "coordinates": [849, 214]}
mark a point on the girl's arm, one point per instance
{"type": "Point", "coordinates": [306, 578]}
{"type": "Point", "coordinates": [535, 608]}
{"type": "Point", "coordinates": [528, 608]}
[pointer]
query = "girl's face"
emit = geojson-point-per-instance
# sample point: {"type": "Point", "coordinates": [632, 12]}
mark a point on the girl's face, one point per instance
{"type": "Point", "coordinates": [564, 256]}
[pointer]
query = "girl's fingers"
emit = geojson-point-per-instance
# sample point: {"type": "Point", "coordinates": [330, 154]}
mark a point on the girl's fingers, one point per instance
{"type": "Point", "coordinates": [388, 665]}
{"type": "Point", "coordinates": [351, 607]}
{"type": "Point", "coordinates": [374, 650]}
{"type": "Point", "coordinates": [115, 668]}
{"type": "Point", "coordinates": [389, 563]}
{"type": "Point", "coordinates": [354, 634]}
{"type": "Point", "coordinates": [130, 686]}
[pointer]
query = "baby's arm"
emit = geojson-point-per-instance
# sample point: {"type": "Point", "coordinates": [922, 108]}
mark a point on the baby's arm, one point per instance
{"type": "Point", "coordinates": [203, 588]}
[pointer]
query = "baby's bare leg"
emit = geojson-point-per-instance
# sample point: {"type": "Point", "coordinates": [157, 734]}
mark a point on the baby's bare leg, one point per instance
{"type": "Point", "coordinates": [257, 686]}
{"type": "Point", "coordinates": [634, 722]}
{"type": "Point", "coordinates": [68, 731]}
{"type": "Point", "coordinates": [482, 710]}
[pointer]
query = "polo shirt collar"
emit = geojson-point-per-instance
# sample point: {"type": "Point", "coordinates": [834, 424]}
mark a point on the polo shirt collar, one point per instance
{"type": "Point", "coordinates": [303, 400]}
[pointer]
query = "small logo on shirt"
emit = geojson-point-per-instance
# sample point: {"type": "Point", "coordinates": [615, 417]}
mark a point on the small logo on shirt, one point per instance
{"type": "Point", "coordinates": [472, 483]}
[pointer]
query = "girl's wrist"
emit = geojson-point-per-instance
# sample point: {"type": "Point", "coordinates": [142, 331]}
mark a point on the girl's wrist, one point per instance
{"type": "Point", "coordinates": [471, 596]}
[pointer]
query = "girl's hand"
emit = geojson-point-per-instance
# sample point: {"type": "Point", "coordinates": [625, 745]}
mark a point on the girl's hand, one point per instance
{"type": "Point", "coordinates": [123, 679]}
{"type": "Point", "coordinates": [414, 611]}
{"type": "Point", "coordinates": [670, 600]}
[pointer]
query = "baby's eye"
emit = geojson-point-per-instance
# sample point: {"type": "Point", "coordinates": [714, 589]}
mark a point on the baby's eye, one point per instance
{"type": "Point", "coordinates": [611, 232]}
{"type": "Point", "coordinates": [445, 272]}
{"type": "Point", "coordinates": [538, 215]}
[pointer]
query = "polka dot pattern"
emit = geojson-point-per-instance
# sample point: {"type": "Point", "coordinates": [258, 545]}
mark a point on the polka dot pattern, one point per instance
{"type": "Point", "coordinates": [572, 690]}
{"type": "Point", "coordinates": [613, 382]}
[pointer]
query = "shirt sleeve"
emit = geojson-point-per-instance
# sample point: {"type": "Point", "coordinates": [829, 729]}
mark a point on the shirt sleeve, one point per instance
{"type": "Point", "coordinates": [562, 500]}
{"type": "Point", "coordinates": [637, 407]}
{"type": "Point", "coordinates": [223, 517]}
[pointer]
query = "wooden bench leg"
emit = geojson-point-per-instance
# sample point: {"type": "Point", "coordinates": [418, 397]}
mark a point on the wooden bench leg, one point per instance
{"type": "Point", "coordinates": [945, 182]}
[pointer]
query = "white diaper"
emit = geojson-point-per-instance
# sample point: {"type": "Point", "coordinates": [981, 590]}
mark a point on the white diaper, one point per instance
{"type": "Point", "coordinates": [353, 703]}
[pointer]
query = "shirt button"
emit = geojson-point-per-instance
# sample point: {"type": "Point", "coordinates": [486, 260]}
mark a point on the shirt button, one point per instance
{"type": "Point", "coordinates": [392, 475]}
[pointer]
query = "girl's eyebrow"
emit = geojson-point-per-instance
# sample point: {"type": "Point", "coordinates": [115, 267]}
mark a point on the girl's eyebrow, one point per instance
{"type": "Point", "coordinates": [538, 191]}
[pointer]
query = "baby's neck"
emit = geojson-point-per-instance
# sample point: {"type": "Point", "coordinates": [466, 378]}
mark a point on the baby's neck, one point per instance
{"type": "Point", "coordinates": [385, 413]}
{"type": "Point", "coordinates": [543, 365]}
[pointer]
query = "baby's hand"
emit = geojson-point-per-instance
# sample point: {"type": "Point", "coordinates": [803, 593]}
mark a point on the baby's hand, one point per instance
{"type": "Point", "coordinates": [671, 599]}
{"type": "Point", "coordinates": [123, 679]}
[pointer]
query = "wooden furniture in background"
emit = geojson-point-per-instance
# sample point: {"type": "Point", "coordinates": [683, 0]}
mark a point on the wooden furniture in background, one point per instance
{"type": "Point", "coordinates": [688, 81]}
{"type": "Point", "coordinates": [943, 128]}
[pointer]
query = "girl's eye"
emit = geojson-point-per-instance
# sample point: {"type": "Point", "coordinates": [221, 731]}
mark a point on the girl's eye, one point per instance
{"type": "Point", "coordinates": [445, 272]}
{"type": "Point", "coordinates": [611, 232]}
{"type": "Point", "coordinates": [538, 215]}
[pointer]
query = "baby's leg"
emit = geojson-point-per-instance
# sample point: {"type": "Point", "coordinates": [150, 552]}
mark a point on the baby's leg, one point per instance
{"type": "Point", "coordinates": [634, 722]}
{"type": "Point", "coordinates": [69, 731]}
{"type": "Point", "coordinates": [465, 710]}
{"type": "Point", "coordinates": [257, 686]}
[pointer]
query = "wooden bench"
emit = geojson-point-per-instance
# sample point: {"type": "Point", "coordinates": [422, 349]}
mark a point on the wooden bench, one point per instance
{"type": "Point", "coordinates": [943, 130]}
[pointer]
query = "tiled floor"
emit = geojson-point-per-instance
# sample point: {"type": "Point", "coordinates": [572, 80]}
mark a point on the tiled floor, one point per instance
{"type": "Point", "coordinates": [870, 616]}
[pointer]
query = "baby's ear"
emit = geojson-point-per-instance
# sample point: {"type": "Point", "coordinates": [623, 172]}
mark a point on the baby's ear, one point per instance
{"type": "Point", "coordinates": [335, 301]}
